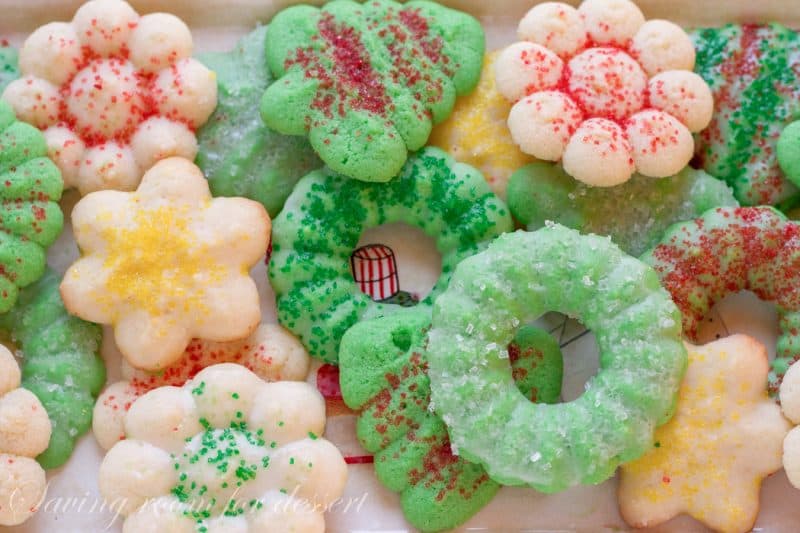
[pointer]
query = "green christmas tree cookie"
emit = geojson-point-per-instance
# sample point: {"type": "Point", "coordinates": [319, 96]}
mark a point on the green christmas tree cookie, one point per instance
{"type": "Point", "coordinates": [30, 217]}
{"type": "Point", "coordinates": [239, 155]}
{"type": "Point", "coordinates": [366, 82]}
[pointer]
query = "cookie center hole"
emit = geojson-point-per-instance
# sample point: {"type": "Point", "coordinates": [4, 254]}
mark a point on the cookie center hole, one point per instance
{"type": "Point", "coordinates": [745, 313]}
{"type": "Point", "coordinates": [579, 351]}
{"type": "Point", "coordinates": [396, 262]}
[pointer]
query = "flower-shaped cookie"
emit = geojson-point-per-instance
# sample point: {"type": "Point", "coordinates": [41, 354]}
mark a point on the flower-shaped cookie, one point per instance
{"type": "Point", "coordinates": [114, 93]}
{"type": "Point", "coordinates": [271, 352]}
{"type": "Point", "coordinates": [226, 452]}
{"type": "Point", "coordinates": [603, 91]}
{"type": "Point", "coordinates": [24, 434]}
{"type": "Point", "coordinates": [724, 438]}
{"type": "Point", "coordinates": [790, 404]}
{"type": "Point", "coordinates": [167, 264]}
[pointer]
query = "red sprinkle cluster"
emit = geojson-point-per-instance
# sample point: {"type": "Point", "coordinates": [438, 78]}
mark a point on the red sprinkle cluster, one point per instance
{"type": "Point", "coordinates": [755, 249]}
{"type": "Point", "coordinates": [338, 59]}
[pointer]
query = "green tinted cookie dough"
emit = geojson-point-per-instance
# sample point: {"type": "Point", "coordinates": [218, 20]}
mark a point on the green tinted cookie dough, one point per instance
{"type": "Point", "coordinates": [324, 218]}
{"type": "Point", "coordinates": [383, 374]}
{"type": "Point", "coordinates": [239, 155]}
{"type": "Point", "coordinates": [9, 68]}
{"type": "Point", "coordinates": [727, 250]}
{"type": "Point", "coordinates": [634, 214]}
{"type": "Point", "coordinates": [367, 82]}
{"type": "Point", "coordinates": [60, 363]}
{"type": "Point", "coordinates": [754, 74]}
{"type": "Point", "coordinates": [788, 151]}
{"type": "Point", "coordinates": [515, 280]}
{"type": "Point", "coordinates": [30, 217]}
{"type": "Point", "coordinates": [537, 365]}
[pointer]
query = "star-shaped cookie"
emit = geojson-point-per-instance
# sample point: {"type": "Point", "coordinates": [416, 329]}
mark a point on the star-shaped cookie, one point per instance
{"type": "Point", "coordinates": [725, 437]}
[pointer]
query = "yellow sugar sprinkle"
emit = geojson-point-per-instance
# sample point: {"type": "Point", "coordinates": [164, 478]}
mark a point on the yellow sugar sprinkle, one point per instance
{"type": "Point", "coordinates": [157, 265]}
{"type": "Point", "coordinates": [476, 132]}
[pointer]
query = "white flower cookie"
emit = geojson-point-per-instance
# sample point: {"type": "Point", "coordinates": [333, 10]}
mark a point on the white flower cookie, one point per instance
{"type": "Point", "coordinates": [114, 93]}
{"type": "Point", "coordinates": [603, 91]}
{"type": "Point", "coordinates": [724, 439]}
{"type": "Point", "coordinates": [225, 452]}
{"type": "Point", "coordinates": [271, 352]}
{"type": "Point", "coordinates": [166, 264]}
{"type": "Point", "coordinates": [24, 434]}
{"type": "Point", "coordinates": [790, 404]}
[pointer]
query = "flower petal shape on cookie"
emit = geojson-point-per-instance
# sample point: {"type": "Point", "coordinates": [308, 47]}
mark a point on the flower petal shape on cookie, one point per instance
{"type": "Point", "coordinates": [61, 363]}
{"type": "Point", "coordinates": [604, 91]}
{"type": "Point", "coordinates": [366, 82]}
{"type": "Point", "coordinates": [9, 65]}
{"type": "Point", "coordinates": [754, 74]}
{"type": "Point", "coordinates": [167, 263]}
{"type": "Point", "coordinates": [226, 449]}
{"type": "Point", "coordinates": [634, 214]}
{"type": "Point", "coordinates": [476, 132]}
{"type": "Point", "coordinates": [30, 217]}
{"type": "Point", "coordinates": [271, 352]}
{"type": "Point", "coordinates": [727, 250]}
{"type": "Point", "coordinates": [790, 405]}
{"type": "Point", "coordinates": [323, 219]}
{"type": "Point", "coordinates": [723, 412]}
{"type": "Point", "coordinates": [24, 434]}
{"type": "Point", "coordinates": [113, 92]}
{"type": "Point", "coordinates": [239, 155]}
{"type": "Point", "coordinates": [384, 375]}
{"type": "Point", "coordinates": [516, 279]}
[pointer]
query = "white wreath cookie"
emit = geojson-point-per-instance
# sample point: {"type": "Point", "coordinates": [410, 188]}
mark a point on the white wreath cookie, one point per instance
{"type": "Point", "coordinates": [167, 264]}
{"type": "Point", "coordinates": [114, 93]}
{"type": "Point", "coordinates": [271, 352]}
{"type": "Point", "coordinates": [603, 91]}
{"type": "Point", "coordinates": [226, 452]}
{"type": "Point", "coordinates": [710, 459]}
{"type": "Point", "coordinates": [24, 434]}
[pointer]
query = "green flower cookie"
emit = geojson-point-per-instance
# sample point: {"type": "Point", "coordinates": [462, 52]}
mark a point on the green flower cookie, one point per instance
{"type": "Point", "coordinates": [9, 67]}
{"type": "Point", "coordinates": [384, 374]}
{"type": "Point", "coordinates": [324, 218]}
{"type": "Point", "coordinates": [239, 155]}
{"type": "Point", "coordinates": [60, 363]}
{"type": "Point", "coordinates": [634, 214]}
{"type": "Point", "coordinates": [30, 217]}
{"type": "Point", "coordinates": [366, 82]}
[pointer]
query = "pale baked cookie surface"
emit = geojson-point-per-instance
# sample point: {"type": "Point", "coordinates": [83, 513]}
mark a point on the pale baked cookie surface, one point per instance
{"type": "Point", "coordinates": [24, 434]}
{"type": "Point", "coordinates": [225, 452]}
{"type": "Point", "coordinates": [723, 440]}
{"type": "Point", "coordinates": [167, 263]}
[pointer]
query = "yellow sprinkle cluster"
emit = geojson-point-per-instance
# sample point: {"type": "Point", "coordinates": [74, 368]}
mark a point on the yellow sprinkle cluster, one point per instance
{"type": "Point", "coordinates": [476, 133]}
{"type": "Point", "coordinates": [157, 264]}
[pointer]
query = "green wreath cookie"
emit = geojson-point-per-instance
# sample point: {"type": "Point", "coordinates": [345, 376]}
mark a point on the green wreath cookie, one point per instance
{"type": "Point", "coordinates": [30, 217]}
{"type": "Point", "coordinates": [239, 155]}
{"type": "Point", "coordinates": [366, 82]}
{"type": "Point", "coordinates": [323, 219]}
{"type": "Point", "coordinates": [519, 277]}
{"type": "Point", "coordinates": [634, 214]}
{"type": "Point", "coordinates": [60, 363]}
{"type": "Point", "coordinates": [9, 66]}
{"type": "Point", "coordinates": [727, 250]}
{"type": "Point", "coordinates": [383, 374]}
